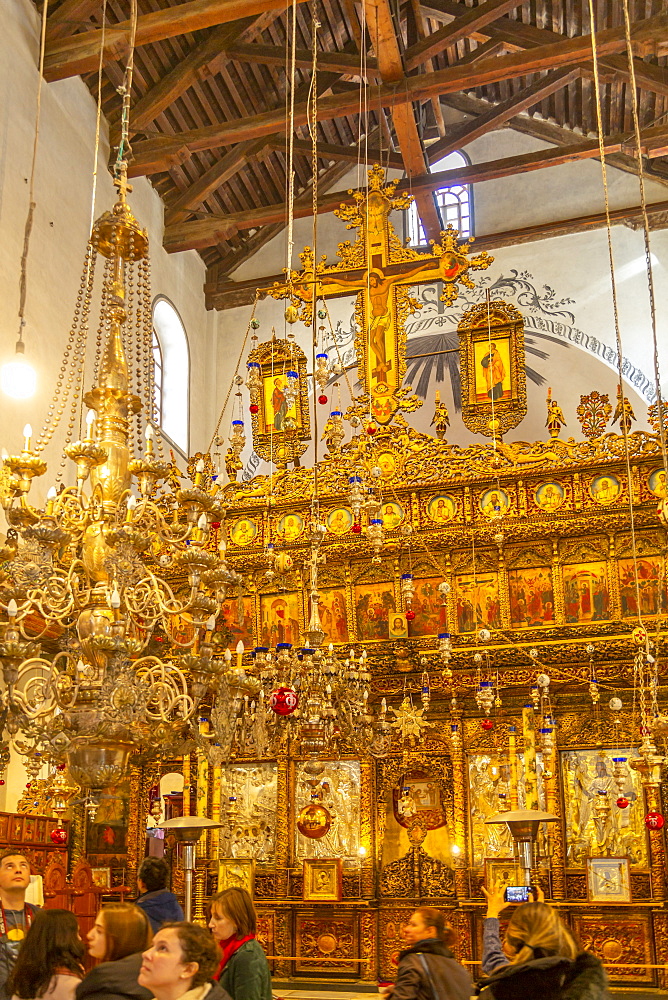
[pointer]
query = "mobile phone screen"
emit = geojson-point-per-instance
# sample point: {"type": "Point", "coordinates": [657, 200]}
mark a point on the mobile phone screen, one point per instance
{"type": "Point", "coordinates": [516, 894]}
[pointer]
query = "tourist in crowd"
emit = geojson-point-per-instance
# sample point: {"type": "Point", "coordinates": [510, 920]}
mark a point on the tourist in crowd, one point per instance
{"type": "Point", "coordinates": [15, 914]}
{"type": "Point", "coordinates": [49, 964]}
{"type": "Point", "coordinates": [538, 956]}
{"type": "Point", "coordinates": [158, 903]}
{"type": "Point", "coordinates": [427, 969]}
{"type": "Point", "coordinates": [180, 964]}
{"type": "Point", "coordinates": [243, 970]}
{"type": "Point", "coordinates": [119, 935]}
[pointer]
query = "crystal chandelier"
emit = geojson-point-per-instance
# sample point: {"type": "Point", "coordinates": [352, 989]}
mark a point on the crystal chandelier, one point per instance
{"type": "Point", "coordinates": [109, 596]}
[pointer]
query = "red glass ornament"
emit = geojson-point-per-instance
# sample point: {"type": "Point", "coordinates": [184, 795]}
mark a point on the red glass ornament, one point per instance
{"type": "Point", "coordinates": [60, 767]}
{"type": "Point", "coordinates": [622, 802]}
{"type": "Point", "coordinates": [410, 615]}
{"type": "Point", "coordinates": [59, 836]}
{"type": "Point", "coordinates": [654, 820]}
{"type": "Point", "coordinates": [28, 785]}
{"type": "Point", "coordinates": [322, 399]}
{"type": "Point", "coordinates": [356, 529]}
{"type": "Point", "coordinates": [2, 781]}
{"type": "Point", "coordinates": [215, 525]}
{"type": "Point", "coordinates": [486, 724]}
{"type": "Point", "coordinates": [254, 408]}
{"type": "Point", "coordinates": [371, 429]}
{"type": "Point", "coordinates": [283, 701]}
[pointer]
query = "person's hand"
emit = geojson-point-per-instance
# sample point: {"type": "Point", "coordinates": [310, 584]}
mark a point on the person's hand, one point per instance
{"type": "Point", "coordinates": [495, 900]}
{"type": "Point", "coordinates": [385, 991]}
{"type": "Point", "coordinates": [539, 894]}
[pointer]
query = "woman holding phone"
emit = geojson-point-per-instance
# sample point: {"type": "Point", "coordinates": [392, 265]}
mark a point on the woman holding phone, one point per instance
{"type": "Point", "coordinates": [538, 956]}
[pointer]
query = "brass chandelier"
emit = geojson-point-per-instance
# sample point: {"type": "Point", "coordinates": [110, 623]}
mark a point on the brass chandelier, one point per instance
{"type": "Point", "coordinates": [94, 582]}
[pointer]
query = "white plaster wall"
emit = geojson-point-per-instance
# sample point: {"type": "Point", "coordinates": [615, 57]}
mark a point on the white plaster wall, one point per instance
{"type": "Point", "coordinates": [63, 190]}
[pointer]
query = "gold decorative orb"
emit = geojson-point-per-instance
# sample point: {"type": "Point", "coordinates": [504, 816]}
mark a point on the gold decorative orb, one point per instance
{"type": "Point", "coordinates": [314, 821]}
{"type": "Point", "coordinates": [292, 314]}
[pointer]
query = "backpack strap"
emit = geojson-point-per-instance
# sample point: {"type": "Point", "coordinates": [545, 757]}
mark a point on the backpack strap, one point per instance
{"type": "Point", "coordinates": [425, 966]}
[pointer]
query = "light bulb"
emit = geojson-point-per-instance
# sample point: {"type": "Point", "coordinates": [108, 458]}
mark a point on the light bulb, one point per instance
{"type": "Point", "coordinates": [456, 849]}
{"type": "Point", "coordinates": [12, 608]}
{"type": "Point", "coordinates": [18, 379]}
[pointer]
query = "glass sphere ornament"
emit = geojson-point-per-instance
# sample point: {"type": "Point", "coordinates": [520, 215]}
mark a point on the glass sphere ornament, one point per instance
{"type": "Point", "coordinates": [322, 314]}
{"type": "Point", "coordinates": [615, 704]}
{"type": "Point", "coordinates": [654, 820]}
{"type": "Point", "coordinates": [371, 428]}
{"type": "Point", "coordinates": [322, 398]}
{"type": "Point", "coordinates": [283, 701]}
{"type": "Point", "coordinates": [314, 821]}
{"type": "Point", "coordinates": [59, 836]}
{"type": "Point", "coordinates": [486, 724]}
{"type": "Point", "coordinates": [356, 529]}
{"type": "Point", "coordinates": [410, 615]}
{"type": "Point", "coordinates": [254, 408]}
{"type": "Point", "coordinates": [255, 324]}
{"type": "Point", "coordinates": [622, 802]}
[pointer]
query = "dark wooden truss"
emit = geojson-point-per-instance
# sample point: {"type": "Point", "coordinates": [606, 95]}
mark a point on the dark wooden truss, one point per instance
{"type": "Point", "coordinates": [403, 83]}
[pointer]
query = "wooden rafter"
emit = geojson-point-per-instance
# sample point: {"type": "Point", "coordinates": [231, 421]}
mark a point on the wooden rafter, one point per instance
{"type": "Point", "coordinates": [69, 15]}
{"type": "Point", "coordinates": [464, 26]}
{"type": "Point", "coordinates": [386, 47]}
{"type": "Point", "coordinates": [359, 152]}
{"type": "Point", "coordinates": [81, 53]}
{"type": "Point", "coordinates": [422, 32]}
{"type": "Point", "coordinates": [569, 52]}
{"type": "Point", "coordinates": [208, 232]}
{"type": "Point", "coordinates": [498, 114]}
{"type": "Point", "coordinates": [343, 63]}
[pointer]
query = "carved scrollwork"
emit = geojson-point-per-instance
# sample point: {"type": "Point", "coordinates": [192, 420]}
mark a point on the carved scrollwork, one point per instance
{"type": "Point", "coordinates": [416, 875]}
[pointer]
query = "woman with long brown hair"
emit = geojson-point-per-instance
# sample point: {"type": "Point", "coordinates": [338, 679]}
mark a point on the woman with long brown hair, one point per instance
{"type": "Point", "coordinates": [538, 956]}
{"type": "Point", "coordinates": [427, 968]}
{"type": "Point", "coordinates": [49, 965]}
{"type": "Point", "coordinates": [119, 935]}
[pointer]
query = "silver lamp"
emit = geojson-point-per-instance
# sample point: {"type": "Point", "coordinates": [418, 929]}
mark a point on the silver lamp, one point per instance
{"type": "Point", "coordinates": [523, 825]}
{"type": "Point", "coordinates": [188, 830]}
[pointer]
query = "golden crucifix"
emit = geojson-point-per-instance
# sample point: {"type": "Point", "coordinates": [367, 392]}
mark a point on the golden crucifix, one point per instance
{"type": "Point", "coordinates": [380, 269]}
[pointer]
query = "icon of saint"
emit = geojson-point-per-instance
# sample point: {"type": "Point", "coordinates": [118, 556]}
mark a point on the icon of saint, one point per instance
{"type": "Point", "coordinates": [494, 372]}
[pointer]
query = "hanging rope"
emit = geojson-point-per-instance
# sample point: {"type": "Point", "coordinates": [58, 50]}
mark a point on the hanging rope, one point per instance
{"type": "Point", "coordinates": [124, 148]}
{"type": "Point", "coordinates": [291, 147]}
{"type": "Point", "coordinates": [613, 281]}
{"type": "Point", "coordinates": [23, 280]}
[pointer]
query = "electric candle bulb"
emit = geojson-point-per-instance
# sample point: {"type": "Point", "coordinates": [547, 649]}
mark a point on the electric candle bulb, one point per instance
{"type": "Point", "coordinates": [50, 498]}
{"type": "Point", "coordinates": [115, 599]}
{"type": "Point", "coordinates": [200, 465]}
{"type": "Point", "coordinates": [202, 522]}
{"type": "Point", "coordinates": [227, 656]}
{"type": "Point", "coordinates": [90, 420]}
{"type": "Point", "coordinates": [211, 623]}
{"type": "Point", "coordinates": [5, 454]}
{"type": "Point", "coordinates": [27, 434]}
{"type": "Point", "coordinates": [148, 433]}
{"type": "Point", "coordinates": [132, 501]}
{"type": "Point", "coordinates": [240, 652]}
{"type": "Point", "coordinates": [12, 608]}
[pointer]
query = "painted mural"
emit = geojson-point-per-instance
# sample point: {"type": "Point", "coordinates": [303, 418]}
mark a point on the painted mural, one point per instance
{"type": "Point", "coordinates": [649, 598]}
{"type": "Point", "coordinates": [237, 615]}
{"type": "Point", "coordinates": [279, 618]}
{"type": "Point", "coordinates": [374, 602]}
{"type": "Point", "coordinates": [477, 601]}
{"type": "Point", "coordinates": [333, 619]}
{"type": "Point", "coordinates": [531, 597]}
{"type": "Point", "coordinates": [430, 618]}
{"type": "Point", "coordinates": [586, 595]}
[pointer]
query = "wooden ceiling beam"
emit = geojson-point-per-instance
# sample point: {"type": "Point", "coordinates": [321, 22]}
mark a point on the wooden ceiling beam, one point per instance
{"type": "Point", "coordinates": [207, 232]}
{"type": "Point", "coordinates": [227, 294]}
{"type": "Point", "coordinates": [548, 132]}
{"type": "Point", "coordinates": [70, 14]}
{"type": "Point", "coordinates": [570, 52]}
{"type": "Point", "coordinates": [462, 27]}
{"type": "Point", "coordinates": [81, 53]}
{"type": "Point", "coordinates": [384, 40]}
{"type": "Point", "coordinates": [352, 154]}
{"type": "Point", "coordinates": [343, 63]}
{"type": "Point", "coordinates": [499, 114]}
{"type": "Point", "coordinates": [429, 67]}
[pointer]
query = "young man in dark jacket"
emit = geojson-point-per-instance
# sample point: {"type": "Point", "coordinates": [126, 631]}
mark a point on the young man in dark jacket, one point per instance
{"type": "Point", "coordinates": [158, 903]}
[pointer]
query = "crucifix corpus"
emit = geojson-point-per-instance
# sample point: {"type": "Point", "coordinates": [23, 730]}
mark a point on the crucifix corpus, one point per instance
{"type": "Point", "coordinates": [380, 269]}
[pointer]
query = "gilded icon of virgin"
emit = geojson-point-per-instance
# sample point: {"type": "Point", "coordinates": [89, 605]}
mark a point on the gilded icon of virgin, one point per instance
{"type": "Point", "coordinates": [337, 791]}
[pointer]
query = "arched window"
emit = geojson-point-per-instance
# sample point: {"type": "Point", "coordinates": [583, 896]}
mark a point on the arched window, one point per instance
{"type": "Point", "coordinates": [455, 203]}
{"type": "Point", "coordinates": [171, 360]}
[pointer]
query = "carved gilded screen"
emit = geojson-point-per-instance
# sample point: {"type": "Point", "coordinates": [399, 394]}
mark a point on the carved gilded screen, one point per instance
{"type": "Point", "coordinates": [252, 830]}
{"type": "Point", "coordinates": [489, 782]}
{"type": "Point", "coordinates": [595, 824]}
{"type": "Point", "coordinates": [339, 793]}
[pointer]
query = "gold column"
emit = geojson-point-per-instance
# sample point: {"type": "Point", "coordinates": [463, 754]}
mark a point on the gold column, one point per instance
{"type": "Point", "coordinates": [186, 784]}
{"type": "Point", "coordinates": [459, 796]}
{"type": "Point", "coordinates": [367, 860]}
{"type": "Point", "coordinates": [530, 774]}
{"type": "Point", "coordinates": [657, 852]}
{"type": "Point", "coordinates": [215, 812]}
{"type": "Point", "coordinates": [555, 831]}
{"type": "Point", "coordinates": [283, 808]}
{"type": "Point", "coordinates": [512, 753]}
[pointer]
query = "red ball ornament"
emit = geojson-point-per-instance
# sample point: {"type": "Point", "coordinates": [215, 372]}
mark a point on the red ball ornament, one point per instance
{"type": "Point", "coordinates": [2, 781]}
{"type": "Point", "coordinates": [371, 429]}
{"type": "Point", "coordinates": [283, 701]}
{"type": "Point", "coordinates": [59, 836]}
{"type": "Point", "coordinates": [215, 525]}
{"type": "Point", "coordinates": [410, 615]}
{"type": "Point", "coordinates": [254, 408]}
{"type": "Point", "coordinates": [654, 820]}
{"type": "Point", "coordinates": [486, 724]}
{"type": "Point", "coordinates": [356, 529]}
{"type": "Point", "coordinates": [322, 399]}
{"type": "Point", "coordinates": [622, 802]}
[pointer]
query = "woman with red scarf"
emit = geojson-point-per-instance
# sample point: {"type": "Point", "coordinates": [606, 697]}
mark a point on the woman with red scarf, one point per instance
{"type": "Point", "coordinates": [243, 971]}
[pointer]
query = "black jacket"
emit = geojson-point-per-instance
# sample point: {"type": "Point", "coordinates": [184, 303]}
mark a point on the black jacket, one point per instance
{"type": "Point", "coordinates": [552, 978]}
{"type": "Point", "coordinates": [445, 980]}
{"type": "Point", "coordinates": [114, 981]}
{"type": "Point", "coordinates": [160, 907]}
